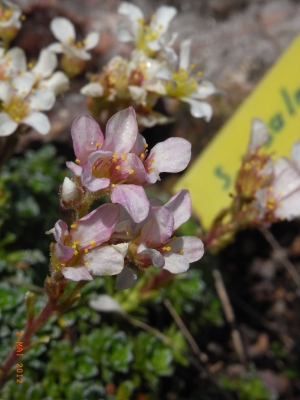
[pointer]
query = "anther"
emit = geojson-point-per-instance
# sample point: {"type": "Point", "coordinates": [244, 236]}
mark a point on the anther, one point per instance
{"type": "Point", "coordinates": [93, 243]}
{"type": "Point", "coordinates": [77, 161]}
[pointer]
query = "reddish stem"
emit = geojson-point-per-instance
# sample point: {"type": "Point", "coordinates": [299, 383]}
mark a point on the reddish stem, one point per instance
{"type": "Point", "coordinates": [32, 326]}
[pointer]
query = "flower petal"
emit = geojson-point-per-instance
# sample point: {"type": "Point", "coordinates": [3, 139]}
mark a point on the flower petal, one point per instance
{"type": "Point", "coordinates": [96, 227]}
{"type": "Point", "coordinates": [295, 153]}
{"type": "Point", "coordinates": [184, 57]}
{"type": "Point", "coordinates": [76, 274]}
{"type": "Point", "coordinates": [123, 33]}
{"type": "Point", "coordinates": [91, 182]}
{"type": "Point", "coordinates": [17, 60]}
{"type": "Point", "coordinates": [77, 169]}
{"type": "Point", "coordinates": [259, 134]}
{"type": "Point", "coordinates": [7, 125]}
{"type": "Point", "coordinates": [92, 89]}
{"type": "Point", "coordinates": [91, 40]}
{"type": "Point", "coordinates": [56, 47]}
{"type": "Point", "coordinates": [157, 259]}
{"type": "Point", "coordinates": [86, 135]}
{"type": "Point", "coordinates": [104, 261]}
{"type": "Point", "coordinates": [46, 64]}
{"type": "Point", "coordinates": [125, 279]}
{"type": "Point", "coordinates": [204, 89]}
{"type": "Point", "coordinates": [180, 206]}
{"type": "Point", "coordinates": [199, 109]}
{"type": "Point", "coordinates": [176, 263]}
{"type": "Point", "coordinates": [160, 226]}
{"type": "Point", "coordinates": [23, 83]}
{"type": "Point", "coordinates": [58, 83]}
{"type": "Point", "coordinates": [63, 30]}
{"type": "Point", "coordinates": [39, 122]}
{"type": "Point", "coordinates": [42, 99]}
{"type": "Point", "coordinates": [121, 131]}
{"type": "Point", "coordinates": [133, 198]}
{"type": "Point", "coordinates": [134, 14]}
{"type": "Point", "coordinates": [69, 190]}
{"type": "Point", "coordinates": [172, 155]}
{"type": "Point", "coordinates": [190, 247]}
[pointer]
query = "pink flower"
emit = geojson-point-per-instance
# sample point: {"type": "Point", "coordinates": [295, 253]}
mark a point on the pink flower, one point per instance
{"type": "Point", "coordinates": [70, 254]}
{"type": "Point", "coordinates": [118, 165]}
{"type": "Point", "coordinates": [152, 243]}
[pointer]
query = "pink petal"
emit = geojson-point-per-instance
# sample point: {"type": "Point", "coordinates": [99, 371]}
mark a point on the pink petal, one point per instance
{"type": "Point", "coordinates": [180, 206]}
{"type": "Point", "coordinates": [63, 253]}
{"type": "Point", "coordinates": [172, 155]}
{"type": "Point", "coordinates": [159, 227]}
{"type": "Point", "coordinates": [96, 227]}
{"type": "Point", "coordinates": [176, 263]}
{"type": "Point", "coordinates": [121, 132]}
{"type": "Point", "coordinates": [86, 135]}
{"type": "Point", "coordinates": [133, 198]}
{"type": "Point", "coordinates": [192, 247]}
{"type": "Point", "coordinates": [76, 274]}
{"type": "Point", "coordinates": [157, 259]}
{"type": "Point", "coordinates": [91, 182]}
{"type": "Point", "coordinates": [77, 169]}
{"type": "Point", "coordinates": [125, 279]}
{"type": "Point", "coordinates": [104, 261]}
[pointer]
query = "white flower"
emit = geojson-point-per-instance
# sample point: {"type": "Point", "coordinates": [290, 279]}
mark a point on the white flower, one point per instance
{"type": "Point", "coordinates": [21, 103]}
{"type": "Point", "coordinates": [149, 38]}
{"type": "Point", "coordinates": [183, 85]}
{"type": "Point", "coordinates": [10, 14]}
{"type": "Point", "coordinates": [64, 31]}
{"type": "Point", "coordinates": [282, 199]}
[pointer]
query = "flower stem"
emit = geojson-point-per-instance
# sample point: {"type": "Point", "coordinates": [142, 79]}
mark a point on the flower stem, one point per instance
{"type": "Point", "coordinates": [31, 327]}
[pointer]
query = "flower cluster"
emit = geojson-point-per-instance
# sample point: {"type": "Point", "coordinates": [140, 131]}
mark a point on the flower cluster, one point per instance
{"type": "Point", "coordinates": [154, 70]}
{"type": "Point", "coordinates": [28, 89]}
{"type": "Point", "coordinates": [131, 233]}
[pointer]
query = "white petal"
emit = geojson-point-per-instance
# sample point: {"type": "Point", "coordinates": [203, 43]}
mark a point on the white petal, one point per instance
{"type": "Point", "coordinates": [123, 34]}
{"type": "Point", "coordinates": [164, 73]}
{"type": "Point", "coordinates": [296, 153]}
{"type": "Point", "coordinates": [104, 261]}
{"type": "Point", "coordinates": [105, 303]}
{"type": "Point", "coordinates": [176, 263]}
{"type": "Point", "coordinates": [63, 30]}
{"type": "Point", "coordinates": [125, 279]}
{"type": "Point", "coordinates": [5, 91]}
{"type": "Point", "coordinates": [204, 89]}
{"type": "Point", "coordinates": [46, 64]}
{"type": "Point", "coordinates": [162, 18]}
{"type": "Point", "coordinates": [92, 89]}
{"type": "Point", "coordinates": [92, 40]}
{"type": "Point", "coordinates": [138, 94]}
{"type": "Point", "coordinates": [39, 122]}
{"type": "Point", "coordinates": [184, 57]}
{"type": "Point", "coordinates": [23, 83]}
{"type": "Point", "coordinates": [42, 99]}
{"type": "Point", "coordinates": [7, 125]}
{"type": "Point", "coordinates": [76, 274]}
{"type": "Point", "coordinates": [58, 83]}
{"type": "Point", "coordinates": [134, 14]}
{"type": "Point", "coordinates": [259, 134]}
{"type": "Point", "coordinates": [18, 59]}
{"type": "Point", "coordinates": [80, 53]}
{"type": "Point", "coordinates": [199, 109]}
{"type": "Point", "coordinates": [56, 47]}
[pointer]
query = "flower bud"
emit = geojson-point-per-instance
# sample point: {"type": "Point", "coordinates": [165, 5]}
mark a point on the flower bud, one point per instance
{"type": "Point", "coordinates": [69, 191]}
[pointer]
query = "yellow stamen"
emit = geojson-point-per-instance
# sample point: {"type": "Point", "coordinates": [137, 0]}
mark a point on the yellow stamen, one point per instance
{"type": "Point", "coordinates": [98, 144]}
{"type": "Point", "coordinates": [93, 243]}
{"type": "Point", "coordinates": [118, 167]}
{"type": "Point", "coordinates": [73, 226]}
{"type": "Point", "coordinates": [146, 145]}
{"type": "Point", "coordinates": [77, 161]}
{"type": "Point", "coordinates": [142, 155]}
{"type": "Point", "coordinates": [131, 171]}
{"type": "Point", "coordinates": [75, 252]}
{"type": "Point", "coordinates": [86, 250]}
{"type": "Point", "coordinates": [86, 264]}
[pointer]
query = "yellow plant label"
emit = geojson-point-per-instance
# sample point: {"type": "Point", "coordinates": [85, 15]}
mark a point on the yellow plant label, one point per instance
{"type": "Point", "coordinates": [276, 100]}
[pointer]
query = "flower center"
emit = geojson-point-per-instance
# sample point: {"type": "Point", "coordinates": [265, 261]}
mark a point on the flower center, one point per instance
{"type": "Point", "coordinates": [183, 84]}
{"type": "Point", "coordinates": [5, 14]}
{"type": "Point", "coordinates": [17, 108]}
